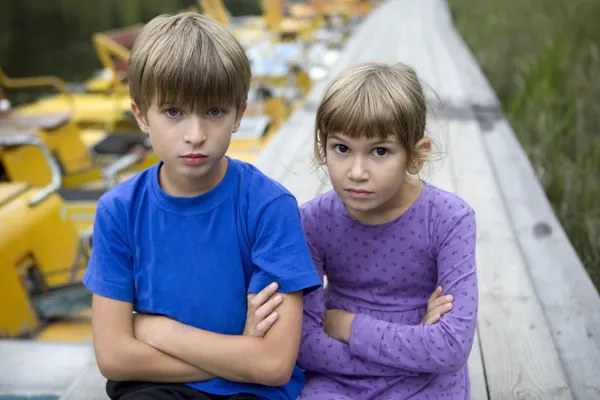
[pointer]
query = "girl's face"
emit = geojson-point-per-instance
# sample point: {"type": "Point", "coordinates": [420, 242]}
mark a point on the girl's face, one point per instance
{"type": "Point", "coordinates": [370, 176]}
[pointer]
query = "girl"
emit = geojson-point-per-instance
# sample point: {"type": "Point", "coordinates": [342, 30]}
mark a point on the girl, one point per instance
{"type": "Point", "coordinates": [385, 240]}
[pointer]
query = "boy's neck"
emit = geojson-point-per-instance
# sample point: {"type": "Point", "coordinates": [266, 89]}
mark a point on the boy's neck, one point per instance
{"type": "Point", "coordinates": [178, 186]}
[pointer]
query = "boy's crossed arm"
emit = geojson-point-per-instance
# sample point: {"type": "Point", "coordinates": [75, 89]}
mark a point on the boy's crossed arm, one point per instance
{"type": "Point", "coordinates": [267, 360]}
{"type": "Point", "coordinates": [122, 354]}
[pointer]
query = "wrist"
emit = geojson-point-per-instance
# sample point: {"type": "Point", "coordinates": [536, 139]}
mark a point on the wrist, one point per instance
{"type": "Point", "coordinates": [347, 331]}
{"type": "Point", "coordinates": [161, 332]}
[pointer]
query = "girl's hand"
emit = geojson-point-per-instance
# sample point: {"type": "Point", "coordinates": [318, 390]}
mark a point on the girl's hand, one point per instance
{"type": "Point", "coordinates": [261, 311]}
{"type": "Point", "coordinates": [437, 306]}
{"type": "Point", "coordinates": [338, 324]}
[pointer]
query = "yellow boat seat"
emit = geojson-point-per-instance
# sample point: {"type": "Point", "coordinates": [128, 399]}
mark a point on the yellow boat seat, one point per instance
{"type": "Point", "coordinates": [10, 190]}
{"type": "Point", "coordinates": [48, 122]}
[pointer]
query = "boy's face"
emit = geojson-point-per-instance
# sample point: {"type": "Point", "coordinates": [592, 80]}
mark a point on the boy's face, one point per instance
{"type": "Point", "coordinates": [189, 143]}
{"type": "Point", "coordinates": [368, 174]}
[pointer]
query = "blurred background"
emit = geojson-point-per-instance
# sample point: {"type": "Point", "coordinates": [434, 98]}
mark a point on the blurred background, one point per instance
{"type": "Point", "coordinates": [541, 57]}
{"type": "Point", "coordinates": [54, 37]}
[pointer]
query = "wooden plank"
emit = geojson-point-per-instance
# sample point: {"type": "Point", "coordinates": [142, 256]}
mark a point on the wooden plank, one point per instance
{"type": "Point", "coordinates": [519, 354]}
{"type": "Point", "coordinates": [479, 390]}
{"type": "Point", "coordinates": [90, 384]}
{"type": "Point", "coordinates": [569, 299]}
{"type": "Point", "coordinates": [30, 367]}
{"type": "Point", "coordinates": [440, 174]}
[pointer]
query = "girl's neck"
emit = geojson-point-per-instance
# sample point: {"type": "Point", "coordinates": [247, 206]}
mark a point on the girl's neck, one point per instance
{"type": "Point", "coordinates": [393, 208]}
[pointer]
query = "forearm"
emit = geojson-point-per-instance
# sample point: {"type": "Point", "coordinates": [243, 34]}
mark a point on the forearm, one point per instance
{"type": "Point", "coordinates": [221, 355]}
{"type": "Point", "coordinates": [131, 359]}
{"type": "Point", "coordinates": [323, 354]}
{"type": "Point", "coordinates": [440, 348]}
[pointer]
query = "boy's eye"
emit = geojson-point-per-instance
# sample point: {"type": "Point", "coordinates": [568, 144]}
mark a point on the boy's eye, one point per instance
{"type": "Point", "coordinates": [381, 151]}
{"type": "Point", "coordinates": [214, 112]}
{"type": "Point", "coordinates": [341, 148]}
{"type": "Point", "coordinates": [173, 112]}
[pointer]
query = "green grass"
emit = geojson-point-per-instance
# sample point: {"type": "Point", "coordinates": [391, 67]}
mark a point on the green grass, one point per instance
{"type": "Point", "coordinates": [542, 58]}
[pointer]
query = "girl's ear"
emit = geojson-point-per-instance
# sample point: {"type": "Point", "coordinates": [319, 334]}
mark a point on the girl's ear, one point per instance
{"type": "Point", "coordinates": [419, 155]}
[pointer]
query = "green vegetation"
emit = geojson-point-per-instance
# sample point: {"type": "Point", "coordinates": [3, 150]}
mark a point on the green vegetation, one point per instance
{"type": "Point", "coordinates": [542, 58]}
{"type": "Point", "coordinates": [55, 37]}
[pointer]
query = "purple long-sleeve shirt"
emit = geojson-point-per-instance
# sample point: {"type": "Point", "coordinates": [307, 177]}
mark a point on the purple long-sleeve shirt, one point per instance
{"type": "Point", "coordinates": [385, 274]}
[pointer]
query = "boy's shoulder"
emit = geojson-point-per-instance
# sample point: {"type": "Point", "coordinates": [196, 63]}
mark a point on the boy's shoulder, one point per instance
{"type": "Point", "coordinates": [122, 197]}
{"type": "Point", "coordinates": [256, 186]}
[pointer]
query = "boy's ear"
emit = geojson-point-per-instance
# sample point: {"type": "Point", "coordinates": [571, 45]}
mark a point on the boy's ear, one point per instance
{"type": "Point", "coordinates": [239, 116]}
{"type": "Point", "coordinates": [419, 156]}
{"type": "Point", "coordinates": [139, 117]}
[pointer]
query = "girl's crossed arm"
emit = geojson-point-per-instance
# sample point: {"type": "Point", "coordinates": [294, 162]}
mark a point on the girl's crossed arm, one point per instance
{"type": "Point", "coordinates": [443, 347]}
{"type": "Point", "coordinates": [318, 351]}
{"type": "Point", "coordinates": [321, 353]}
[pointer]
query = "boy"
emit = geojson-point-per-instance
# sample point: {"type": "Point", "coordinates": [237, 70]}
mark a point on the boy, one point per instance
{"type": "Point", "coordinates": [185, 241]}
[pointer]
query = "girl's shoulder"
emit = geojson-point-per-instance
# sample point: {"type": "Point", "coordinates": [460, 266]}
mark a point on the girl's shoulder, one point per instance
{"type": "Point", "coordinates": [320, 207]}
{"type": "Point", "coordinates": [443, 203]}
{"type": "Point", "coordinates": [449, 215]}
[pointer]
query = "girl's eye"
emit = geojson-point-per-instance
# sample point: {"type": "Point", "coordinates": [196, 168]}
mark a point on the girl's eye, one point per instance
{"type": "Point", "coordinates": [381, 151]}
{"type": "Point", "coordinates": [173, 112]}
{"type": "Point", "coordinates": [214, 112]}
{"type": "Point", "coordinates": [341, 148]}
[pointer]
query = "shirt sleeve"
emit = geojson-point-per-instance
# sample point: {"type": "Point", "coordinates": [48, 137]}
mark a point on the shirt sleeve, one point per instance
{"type": "Point", "coordinates": [443, 347]}
{"type": "Point", "coordinates": [319, 352]}
{"type": "Point", "coordinates": [110, 270]}
{"type": "Point", "coordinates": [280, 252]}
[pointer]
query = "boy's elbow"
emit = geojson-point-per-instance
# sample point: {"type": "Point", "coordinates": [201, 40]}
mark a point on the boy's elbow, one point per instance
{"type": "Point", "coordinates": [277, 371]}
{"type": "Point", "coordinates": [111, 365]}
{"type": "Point", "coordinates": [109, 368]}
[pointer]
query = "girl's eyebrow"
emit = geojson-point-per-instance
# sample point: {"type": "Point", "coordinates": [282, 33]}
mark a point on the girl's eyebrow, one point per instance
{"type": "Point", "coordinates": [333, 136]}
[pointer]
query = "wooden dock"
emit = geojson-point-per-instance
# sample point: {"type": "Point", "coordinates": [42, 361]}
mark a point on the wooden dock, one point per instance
{"type": "Point", "coordinates": [538, 333]}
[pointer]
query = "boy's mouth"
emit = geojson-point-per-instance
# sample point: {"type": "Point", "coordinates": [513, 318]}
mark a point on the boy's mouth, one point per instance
{"type": "Point", "coordinates": [194, 158]}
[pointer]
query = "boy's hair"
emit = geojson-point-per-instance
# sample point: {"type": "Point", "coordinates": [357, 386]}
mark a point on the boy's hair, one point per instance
{"type": "Point", "coordinates": [373, 100]}
{"type": "Point", "coordinates": [188, 60]}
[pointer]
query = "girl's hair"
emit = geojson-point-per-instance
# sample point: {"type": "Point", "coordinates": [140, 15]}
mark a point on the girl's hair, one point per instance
{"type": "Point", "coordinates": [373, 100]}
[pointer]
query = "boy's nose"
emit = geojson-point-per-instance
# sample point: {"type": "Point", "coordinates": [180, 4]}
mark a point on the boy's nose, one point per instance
{"type": "Point", "coordinates": [195, 134]}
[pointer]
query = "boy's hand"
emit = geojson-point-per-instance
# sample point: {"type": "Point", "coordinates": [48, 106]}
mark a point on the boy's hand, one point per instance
{"type": "Point", "coordinates": [338, 324]}
{"type": "Point", "coordinates": [437, 306]}
{"type": "Point", "coordinates": [261, 311]}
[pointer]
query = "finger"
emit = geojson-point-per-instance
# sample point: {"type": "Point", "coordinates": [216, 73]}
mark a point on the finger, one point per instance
{"type": "Point", "coordinates": [440, 301]}
{"type": "Point", "coordinates": [269, 306]}
{"type": "Point", "coordinates": [263, 296]}
{"type": "Point", "coordinates": [436, 293]}
{"type": "Point", "coordinates": [431, 318]}
{"type": "Point", "coordinates": [443, 309]}
{"type": "Point", "coordinates": [267, 323]}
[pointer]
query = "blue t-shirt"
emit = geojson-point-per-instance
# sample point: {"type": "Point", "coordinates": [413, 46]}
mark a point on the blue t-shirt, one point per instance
{"type": "Point", "coordinates": [195, 259]}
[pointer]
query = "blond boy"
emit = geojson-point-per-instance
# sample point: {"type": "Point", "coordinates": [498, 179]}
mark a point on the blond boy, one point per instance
{"type": "Point", "coordinates": [188, 242]}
